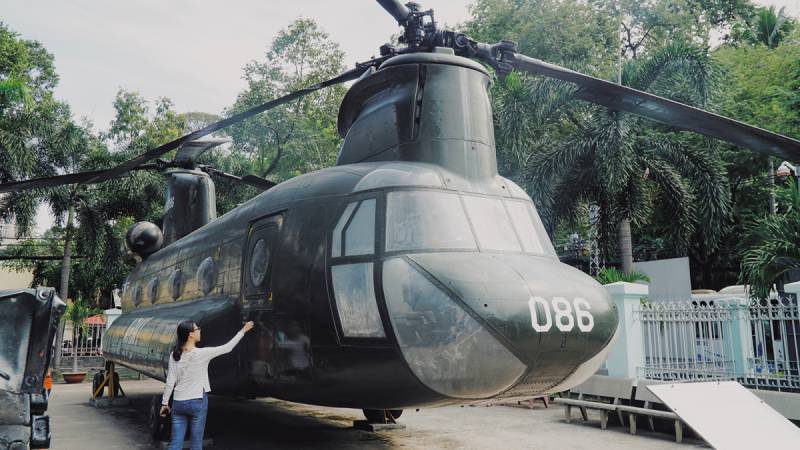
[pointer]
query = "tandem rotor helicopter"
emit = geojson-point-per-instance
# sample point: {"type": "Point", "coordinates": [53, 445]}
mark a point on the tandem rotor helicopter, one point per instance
{"type": "Point", "coordinates": [410, 273]}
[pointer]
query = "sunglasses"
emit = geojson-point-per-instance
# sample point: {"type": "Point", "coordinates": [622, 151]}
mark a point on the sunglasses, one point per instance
{"type": "Point", "coordinates": [196, 329]}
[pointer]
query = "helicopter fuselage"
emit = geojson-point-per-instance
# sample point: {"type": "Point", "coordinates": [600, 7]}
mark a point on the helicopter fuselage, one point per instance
{"type": "Point", "coordinates": [409, 274]}
{"type": "Point", "coordinates": [353, 309]}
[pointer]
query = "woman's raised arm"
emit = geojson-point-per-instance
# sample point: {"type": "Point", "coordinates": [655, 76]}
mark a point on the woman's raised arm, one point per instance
{"type": "Point", "coordinates": [213, 352]}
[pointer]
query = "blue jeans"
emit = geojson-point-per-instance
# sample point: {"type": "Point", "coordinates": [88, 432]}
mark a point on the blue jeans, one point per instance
{"type": "Point", "coordinates": [189, 413]}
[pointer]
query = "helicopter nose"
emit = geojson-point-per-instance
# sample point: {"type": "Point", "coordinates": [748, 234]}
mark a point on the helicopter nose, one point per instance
{"type": "Point", "coordinates": [477, 325]}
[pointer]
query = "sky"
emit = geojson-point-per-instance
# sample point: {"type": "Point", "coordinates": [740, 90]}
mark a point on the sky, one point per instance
{"type": "Point", "coordinates": [192, 51]}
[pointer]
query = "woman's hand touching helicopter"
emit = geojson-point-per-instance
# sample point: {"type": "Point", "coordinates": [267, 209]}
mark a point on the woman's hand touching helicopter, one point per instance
{"type": "Point", "coordinates": [248, 326]}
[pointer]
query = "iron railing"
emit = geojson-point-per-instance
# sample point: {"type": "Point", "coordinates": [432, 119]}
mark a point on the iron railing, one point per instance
{"type": "Point", "coordinates": [88, 342]}
{"type": "Point", "coordinates": [756, 342]}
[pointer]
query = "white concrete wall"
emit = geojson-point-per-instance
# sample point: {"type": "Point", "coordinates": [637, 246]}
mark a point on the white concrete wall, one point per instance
{"type": "Point", "coordinates": [14, 280]}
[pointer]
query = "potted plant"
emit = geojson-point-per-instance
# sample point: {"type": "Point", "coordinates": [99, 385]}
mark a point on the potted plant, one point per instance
{"type": "Point", "coordinates": [77, 312]}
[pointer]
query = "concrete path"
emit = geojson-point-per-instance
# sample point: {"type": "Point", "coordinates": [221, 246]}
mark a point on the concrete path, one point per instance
{"type": "Point", "coordinates": [268, 423]}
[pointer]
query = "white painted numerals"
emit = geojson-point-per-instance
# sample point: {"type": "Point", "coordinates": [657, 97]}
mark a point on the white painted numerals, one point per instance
{"type": "Point", "coordinates": [542, 317]}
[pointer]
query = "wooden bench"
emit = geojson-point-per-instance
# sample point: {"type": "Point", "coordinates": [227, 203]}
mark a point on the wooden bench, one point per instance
{"type": "Point", "coordinates": [643, 394]}
{"type": "Point", "coordinates": [601, 393]}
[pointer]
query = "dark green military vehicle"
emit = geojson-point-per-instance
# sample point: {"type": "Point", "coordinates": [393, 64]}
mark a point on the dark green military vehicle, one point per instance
{"type": "Point", "coordinates": [28, 322]}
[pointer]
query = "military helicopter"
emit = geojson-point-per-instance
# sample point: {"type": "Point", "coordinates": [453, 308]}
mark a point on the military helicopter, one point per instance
{"type": "Point", "coordinates": [410, 273]}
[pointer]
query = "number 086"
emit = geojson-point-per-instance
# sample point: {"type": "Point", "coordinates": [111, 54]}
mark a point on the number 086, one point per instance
{"type": "Point", "coordinates": [559, 310]}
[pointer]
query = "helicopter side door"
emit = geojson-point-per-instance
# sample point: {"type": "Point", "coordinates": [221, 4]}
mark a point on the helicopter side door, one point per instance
{"type": "Point", "coordinates": [257, 269]}
{"type": "Point", "coordinates": [256, 292]}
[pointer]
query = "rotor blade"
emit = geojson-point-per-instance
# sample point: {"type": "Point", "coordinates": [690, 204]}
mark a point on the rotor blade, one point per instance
{"type": "Point", "coordinates": [60, 180]}
{"type": "Point", "coordinates": [188, 153]}
{"type": "Point", "coordinates": [669, 112]}
{"type": "Point", "coordinates": [103, 175]}
{"type": "Point", "coordinates": [398, 10]}
{"type": "Point", "coordinates": [252, 180]}
{"type": "Point", "coordinates": [258, 182]}
{"type": "Point", "coordinates": [35, 258]}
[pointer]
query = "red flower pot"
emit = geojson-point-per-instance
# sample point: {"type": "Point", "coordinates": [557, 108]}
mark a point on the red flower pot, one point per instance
{"type": "Point", "coordinates": [74, 377]}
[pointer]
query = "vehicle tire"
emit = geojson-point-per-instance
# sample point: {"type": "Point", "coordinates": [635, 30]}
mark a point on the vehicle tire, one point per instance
{"type": "Point", "coordinates": [98, 378]}
{"type": "Point", "coordinates": [159, 426]}
{"type": "Point", "coordinates": [382, 415]}
{"type": "Point", "coordinates": [116, 384]}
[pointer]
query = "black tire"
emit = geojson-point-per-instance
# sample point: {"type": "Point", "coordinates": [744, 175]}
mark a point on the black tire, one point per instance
{"type": "Point", "coordinates": [382, 415]}
{"type": "Point", "coordinates": [159, 426]}
{"type": "Point", "coordinates": [98, 378]}
{"type": "Point", "coordinates": [116, 384]}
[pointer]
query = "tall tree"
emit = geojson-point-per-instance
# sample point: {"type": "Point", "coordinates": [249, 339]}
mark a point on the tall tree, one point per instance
{"type": "Point", "coordinates": [302, 133]}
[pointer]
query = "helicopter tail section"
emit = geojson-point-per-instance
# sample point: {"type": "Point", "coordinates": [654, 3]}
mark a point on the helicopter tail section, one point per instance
{"type": "Point", "coordinates": [142, 339]}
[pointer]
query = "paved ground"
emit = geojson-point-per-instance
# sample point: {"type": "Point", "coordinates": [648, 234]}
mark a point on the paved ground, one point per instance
{"type": "Point", "coordinates": [267, 423]}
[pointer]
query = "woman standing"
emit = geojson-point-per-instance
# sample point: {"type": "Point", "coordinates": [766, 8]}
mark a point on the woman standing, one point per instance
{"type": "Point", "coordinates": [187, 376]}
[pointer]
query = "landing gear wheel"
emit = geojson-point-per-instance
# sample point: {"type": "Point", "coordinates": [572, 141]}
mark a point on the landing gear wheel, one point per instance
{"type": "Point", "coordinates": [98, 378]}
{"type": "Point", "coordinates": [159, 426]}
{"type": "Point", "coordinates": [382, 415]}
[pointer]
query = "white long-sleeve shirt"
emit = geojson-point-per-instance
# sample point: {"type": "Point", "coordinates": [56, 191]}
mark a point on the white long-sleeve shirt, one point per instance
{"type": "Point", "coordinates": [189, 376]}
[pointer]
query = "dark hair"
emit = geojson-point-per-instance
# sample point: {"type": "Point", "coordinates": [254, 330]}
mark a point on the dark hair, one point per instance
{"type": "Point", "coordinates": [184, 328]}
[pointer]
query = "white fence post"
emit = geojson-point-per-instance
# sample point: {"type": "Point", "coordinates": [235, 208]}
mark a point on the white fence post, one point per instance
{"type": "Point", "coordinates": [742, 339]}
{"type": "Point", "coordinates": [627, 355]}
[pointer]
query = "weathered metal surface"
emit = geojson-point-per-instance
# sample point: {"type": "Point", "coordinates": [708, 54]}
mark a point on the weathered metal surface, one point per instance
{"type": "Point", "coordinates": [190, 204]}
{"type": "Point", "coordinates": [28, 322]}
{"type": "Point", "coordinates": [142, 339]}
{"type": "Point", "coordinates": [425, 107]}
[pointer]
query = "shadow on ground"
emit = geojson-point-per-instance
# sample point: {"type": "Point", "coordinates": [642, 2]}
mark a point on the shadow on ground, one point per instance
{"type": "Point", "coordinates": [250, 424]}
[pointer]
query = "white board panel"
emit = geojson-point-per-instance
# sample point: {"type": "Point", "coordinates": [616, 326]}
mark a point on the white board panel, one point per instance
{"type": "Point", "coordinates": [728, 416]}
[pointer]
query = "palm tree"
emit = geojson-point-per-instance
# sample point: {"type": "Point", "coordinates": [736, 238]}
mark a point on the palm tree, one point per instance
{"type": "Point", "coordinates": [76, 313]}
{"type": "Point", "coordinates": [771, 27]}
{"type": "Point", "coordinates": [774, 248]}
{"type": "Point", "coordinates": [627, 165]}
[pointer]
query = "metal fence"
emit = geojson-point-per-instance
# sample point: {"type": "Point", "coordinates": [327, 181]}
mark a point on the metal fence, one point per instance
{"type": "Point", "coordinates": [87, 343]}
{"type": "Point", "coordinates": [754, 342]}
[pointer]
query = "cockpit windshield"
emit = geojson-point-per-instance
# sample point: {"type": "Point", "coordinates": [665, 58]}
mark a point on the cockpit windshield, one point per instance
{"type": "Point", "coordinates": [426, 220]}
{"type": "Point", "coordinates": [432, 220]}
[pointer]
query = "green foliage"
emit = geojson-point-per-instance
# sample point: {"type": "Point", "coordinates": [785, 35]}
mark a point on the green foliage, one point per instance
{"type": "Point", "coordinates": [29, 117]}
{"type": "Point", "coordinates": [610, 275]}
{"type": "Point", "coordinates": [627, 165]}
{"type": "Point", "coordinates": [773, 248]}
{"type": "Point", "coordinates": [298, 137]}
{"type": "Point", "coordinates": [570, 32]}
{"type": "Point", "coordinates": [77, 312]}
{"type": "Point", "coordinates": [764, 26]}
{"type": "Point", "coordinates": [762, 86]}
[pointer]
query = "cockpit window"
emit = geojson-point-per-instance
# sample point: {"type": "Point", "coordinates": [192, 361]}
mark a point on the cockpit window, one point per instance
{"type": "Point", "coordinates": [359, 236]}
{"type": "Point", "coordinates": [529, 228]}
{"type": "Point", "coordinates": [426, 220]}
{"type": "Point", "coordinates": [355, 231]}
{"type": "Point", "coordinates": [432, 220]}
{"type": "Point", "coordinates": [336, 242]}
{"type": "Point", "coordinates": [492, 224]}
